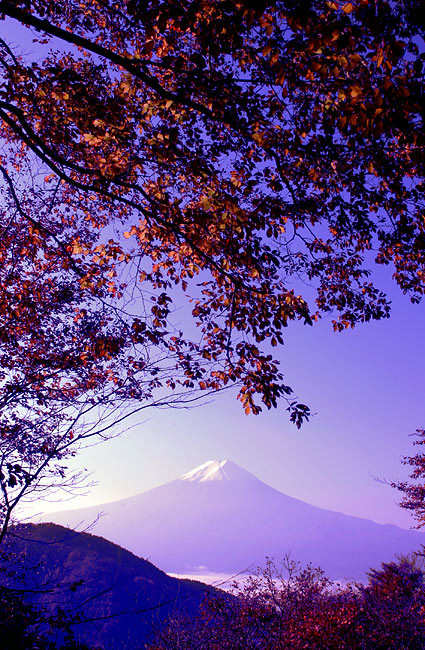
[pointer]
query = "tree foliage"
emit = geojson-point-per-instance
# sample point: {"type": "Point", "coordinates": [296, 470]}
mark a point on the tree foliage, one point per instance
{"type": "Point", "coordinates": [182, 180]}
{"type": "Point", "coordinates": [25, 627]}
{"type": "Point", "coordinates": [296, 609]}
{"type": "Point", "coordinates": [414, 490]}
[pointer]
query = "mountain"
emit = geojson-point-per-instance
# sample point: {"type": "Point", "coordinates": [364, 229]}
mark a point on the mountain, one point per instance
{"type": "Point", "coordinates": [220, 518]}
{"type": "Point", "coordinates": [122, 598]}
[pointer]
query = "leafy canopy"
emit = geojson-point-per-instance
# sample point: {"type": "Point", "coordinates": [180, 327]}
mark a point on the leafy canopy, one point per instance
{"type": "Point", "coordinates": [247, 160]}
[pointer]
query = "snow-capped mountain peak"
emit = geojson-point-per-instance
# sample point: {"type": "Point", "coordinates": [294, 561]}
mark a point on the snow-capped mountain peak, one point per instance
{"type": "Point", "coordinates": [222, 518]}
{"type": "Point", "coordinates": [216, 470]}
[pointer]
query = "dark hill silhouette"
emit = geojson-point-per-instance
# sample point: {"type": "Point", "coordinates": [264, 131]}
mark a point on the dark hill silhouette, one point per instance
{"type": "Point", "coordinates": [121, 597]}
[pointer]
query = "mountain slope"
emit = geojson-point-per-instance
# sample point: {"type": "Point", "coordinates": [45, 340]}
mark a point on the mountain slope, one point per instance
{"type": "Point", "coordinates": [221, 518]}
{"type": "Point", "coordinates": [121, 597]}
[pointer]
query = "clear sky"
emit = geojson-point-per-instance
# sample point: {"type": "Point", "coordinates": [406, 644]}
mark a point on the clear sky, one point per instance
{"type": "Point", "coordinates": [366, 388]}
{"type": "Point", "coordinates": [365, 385]}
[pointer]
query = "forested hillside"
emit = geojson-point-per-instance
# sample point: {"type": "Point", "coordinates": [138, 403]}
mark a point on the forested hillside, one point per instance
{"type": "Point", "coordinates": [115, 600]}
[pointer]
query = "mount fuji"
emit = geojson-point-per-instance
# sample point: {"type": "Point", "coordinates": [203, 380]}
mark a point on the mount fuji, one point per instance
{"type": "Point", "coordinates": [219, 518]}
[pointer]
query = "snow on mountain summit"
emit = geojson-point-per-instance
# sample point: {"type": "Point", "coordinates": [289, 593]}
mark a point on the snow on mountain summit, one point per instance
{"type": "Point", "coordinates": [216, 470]}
